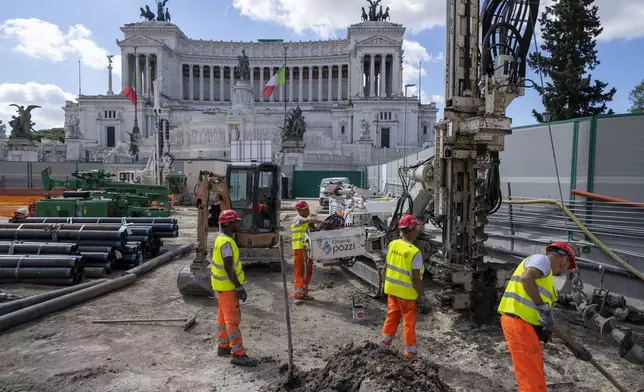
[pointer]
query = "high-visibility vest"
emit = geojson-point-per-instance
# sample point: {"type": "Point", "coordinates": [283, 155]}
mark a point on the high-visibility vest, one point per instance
{"type": "Point", "coordinates": [516, 300]}
{"type": "Point", "coordinates": [218, 277]}
{"type": "Point", "coordinates": [398, 281]}
{"type": "Point", "coordinates": [298, 238]}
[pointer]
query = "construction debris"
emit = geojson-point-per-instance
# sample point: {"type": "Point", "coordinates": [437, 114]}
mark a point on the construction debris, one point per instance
{"type": "Point", "coordinates": [366, 368]}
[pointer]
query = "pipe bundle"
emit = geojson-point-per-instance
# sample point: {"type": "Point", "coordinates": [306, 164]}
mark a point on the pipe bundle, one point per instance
{"type": "Point", "coordinates": [99, 244]}
{"type": "Point", "coordinates": [61, 270]}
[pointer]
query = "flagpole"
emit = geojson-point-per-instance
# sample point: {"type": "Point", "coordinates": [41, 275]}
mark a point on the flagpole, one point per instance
{"type": "Point", "coordinates": [135, 130]}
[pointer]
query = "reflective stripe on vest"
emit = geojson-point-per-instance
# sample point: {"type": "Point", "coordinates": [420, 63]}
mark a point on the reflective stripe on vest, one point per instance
{"type": "Point", "coordinates": [218, 277]}
{"type": "Point", "coordinates": [299, 235]}
{"type": "Point", "coordinates": [398, 279]}
{"type": "Point", "coordinates": [516, 300]}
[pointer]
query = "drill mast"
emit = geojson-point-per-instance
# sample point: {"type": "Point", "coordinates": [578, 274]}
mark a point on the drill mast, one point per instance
{"type": "Point", "coordinates": [485, 71]}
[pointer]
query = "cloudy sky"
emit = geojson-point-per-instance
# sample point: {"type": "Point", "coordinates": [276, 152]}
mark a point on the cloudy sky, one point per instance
{"type": "Point", "coordinates": [42, 41]}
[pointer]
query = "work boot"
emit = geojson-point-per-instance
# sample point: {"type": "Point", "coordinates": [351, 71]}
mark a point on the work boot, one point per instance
{"type": "Point", "coordinates": [223, 351]}
{"type": "Point", "coordinates": [297, 301]}
{"type": "Point", "coordinates": [243, 360]}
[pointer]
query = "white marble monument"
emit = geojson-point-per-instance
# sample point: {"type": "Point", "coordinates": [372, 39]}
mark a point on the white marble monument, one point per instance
{"type": "Point", "coordinates": [336, 83]}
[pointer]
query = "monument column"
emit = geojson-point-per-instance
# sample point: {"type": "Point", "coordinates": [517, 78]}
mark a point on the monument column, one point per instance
{"type": "Point", "coordinates": [372, 72]}
{"type": "Point", "coordinates": [232, 82]}
{"type": "Point", "coordinates": [158, 67]}
{"type": "Point", "coordinates": [283, 90]}
{"type": "Point", "coordinates": [211, 68]}
{"type": "Point", "coordinates": [290, 84]}
{"type": "Point", "coordinates": [340, 82]}
{"type": "Point", "coordinates": [383, 75]}
{"type": "Point", "coordinates": [125, 71]}
{"type": "Point", "coordinates": [148, 78]}
{"type": "Point", "coordinates": [191, 81]}
{"type": "Point", "coordinates": [221, 83]}
{"type": "Point", "coordinates": [181, 93]}
{"type": "Point", "coordinates": [310, 97]}
{"type": "Point", "coordinates": [261, 83]}
{"type": "Point", "coordinates": [300, 70]}
{"type": "Point", "coordinates": [270, 75]}
{"type": "Point", "coordinates": [201, 87]}
{"type": "Point", "coordinates": [252, 79]}
{"type": "Point", "coordinates": [137, 66]}
{"type": "Point", "coordinates": [329, 82]}
{"type": "Point", "coordinates": [320, 73]}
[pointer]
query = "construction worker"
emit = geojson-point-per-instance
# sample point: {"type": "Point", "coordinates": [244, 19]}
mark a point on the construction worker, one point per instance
{"type": "Point", "coordinates": [403, 276]}
{"type": "Point", "coordinates": [526, 309]}
{"type": "Point", "coordinates": [227, 281]}
{"type": "Point", "coordinates": [302, 267]}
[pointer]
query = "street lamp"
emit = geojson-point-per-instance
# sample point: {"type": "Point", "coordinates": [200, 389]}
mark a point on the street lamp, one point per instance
{"type": "Point", "coordinates": [405, 132]}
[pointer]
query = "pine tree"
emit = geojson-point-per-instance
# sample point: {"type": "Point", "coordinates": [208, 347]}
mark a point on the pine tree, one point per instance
{"type": "Point", "coordinates": [569, 35]}
{"type": "Point", "coordinates": [637, 98]}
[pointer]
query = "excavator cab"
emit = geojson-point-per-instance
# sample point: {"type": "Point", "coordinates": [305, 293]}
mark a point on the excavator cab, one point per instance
{"type": "Point", "coordinates": [254, 195]}
{"type": "Point", "coordinates": [251, 189]}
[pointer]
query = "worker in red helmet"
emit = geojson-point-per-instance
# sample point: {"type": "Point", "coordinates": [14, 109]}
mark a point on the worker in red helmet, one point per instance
{"type": "Point", "coordinates": [526, 309]}
{"type": "Point", "coordinates": [403, 276]}
{"type": "Point", "coordinates": [227, 281]}
{"type": "Point", "coordinates": [302, 266]}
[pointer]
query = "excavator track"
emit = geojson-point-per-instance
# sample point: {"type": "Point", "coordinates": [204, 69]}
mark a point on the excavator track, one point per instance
{"type": "Point", "coordinates": [365, 274]}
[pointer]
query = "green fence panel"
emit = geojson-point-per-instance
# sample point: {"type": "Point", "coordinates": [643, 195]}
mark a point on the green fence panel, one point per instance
{"type": "Point", "coordinates": [306, 183]}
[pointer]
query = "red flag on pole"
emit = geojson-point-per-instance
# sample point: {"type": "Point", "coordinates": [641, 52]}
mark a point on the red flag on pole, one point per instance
{"type": "Point", "coordinates": [130, 91]}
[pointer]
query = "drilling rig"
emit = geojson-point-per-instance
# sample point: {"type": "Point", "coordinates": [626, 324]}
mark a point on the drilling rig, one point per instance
{"type": "Point", "coordinates": [485, 71]}
{"type": "Point", "coordinates": [460, 185]}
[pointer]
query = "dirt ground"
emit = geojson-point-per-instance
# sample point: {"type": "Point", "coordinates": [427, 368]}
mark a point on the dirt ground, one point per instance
{"type": "Point", "coordinates": [66, 352]}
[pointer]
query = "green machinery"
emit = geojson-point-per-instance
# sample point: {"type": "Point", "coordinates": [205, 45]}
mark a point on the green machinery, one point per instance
{"type": "Point", "coordinates": [93, 193]}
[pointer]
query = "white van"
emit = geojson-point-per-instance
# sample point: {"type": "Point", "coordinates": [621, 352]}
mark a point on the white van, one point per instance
{"type": "Point", "coordinates": [324, 201]}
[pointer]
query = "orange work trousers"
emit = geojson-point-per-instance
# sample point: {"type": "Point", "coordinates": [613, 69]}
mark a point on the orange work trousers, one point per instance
{"type": "Point", "coordinates": [525, 350]}
{"type": "Point", "coordinates": [228, 319]}
{"type": "Point", "coordinates": [302, 273]}
{"type": "Point", "coordinates": [398, 308]}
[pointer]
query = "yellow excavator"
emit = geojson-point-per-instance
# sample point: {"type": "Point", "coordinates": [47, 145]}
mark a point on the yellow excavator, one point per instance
{"type": "Point", "coordinates": [251, 189]}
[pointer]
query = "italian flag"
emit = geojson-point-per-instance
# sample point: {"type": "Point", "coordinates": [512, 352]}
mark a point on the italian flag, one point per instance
{"type": "Point", "coordinates": [130, 91]}
{"type": "Point", "coordinates": [277, 80]}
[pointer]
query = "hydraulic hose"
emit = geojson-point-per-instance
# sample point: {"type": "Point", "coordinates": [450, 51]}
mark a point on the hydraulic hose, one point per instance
{"type": "Point", "coordinates": [583, 228]}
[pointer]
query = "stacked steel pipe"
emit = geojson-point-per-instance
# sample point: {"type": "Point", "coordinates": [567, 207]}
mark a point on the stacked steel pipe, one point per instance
{"type": "Point", "coordinates": [101, 244]}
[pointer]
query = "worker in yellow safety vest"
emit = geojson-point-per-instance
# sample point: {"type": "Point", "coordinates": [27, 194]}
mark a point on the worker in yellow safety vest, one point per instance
{"type": "Point", "coordinates": [526, 308]}
{"type": "Point", "coordinates": [227, 279]}
{"type": "Point", "coordinates": [403, 276]}
{"type": "Point", "coordinates": [302, 265]}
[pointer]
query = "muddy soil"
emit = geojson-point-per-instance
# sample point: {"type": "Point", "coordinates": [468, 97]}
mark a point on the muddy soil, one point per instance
{"type": "Point", "coordinates": [65, 351]}
{"type": "Point", "coordinates": [366, 368]}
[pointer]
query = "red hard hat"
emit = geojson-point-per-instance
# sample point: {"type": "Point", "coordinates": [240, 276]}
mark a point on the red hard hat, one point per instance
{"type": "Point", "coordinates": [563, 247]}
{"type": "Point", "coordinates": [301, 205]}
{"type": "Point", "coordinates": [408, 221]}
{"type": "Point", "coordinates": [227, 216]}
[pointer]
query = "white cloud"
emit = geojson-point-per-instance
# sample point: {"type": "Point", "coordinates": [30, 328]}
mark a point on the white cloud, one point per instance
{"type": "Point", "coordinates": [46, 41]}
{"type": "Point", "coordinates": [438, 98]}
{"type": "Point", "coordinates": [326, 17]}
{"type": "Point", "coordinates": [621, 19]}
{"type": "Point", "coordinates": [414, 54]}
{"type": "Point", "coordinates": [49, 96]}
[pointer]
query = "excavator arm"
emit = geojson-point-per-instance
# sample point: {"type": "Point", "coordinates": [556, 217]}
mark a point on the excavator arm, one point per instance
{"type": "Point", "coordinates": [208, 182]}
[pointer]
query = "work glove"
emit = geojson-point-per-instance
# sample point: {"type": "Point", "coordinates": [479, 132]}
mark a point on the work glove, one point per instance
{"type": "Point", "coordinates": [580, 352]}
{"type": "Point", "coordinates": [423, 306]}
{"type": "Point", "coordinates": [545, 317]}
{"type": "Point", "coordinates": [240, 293]}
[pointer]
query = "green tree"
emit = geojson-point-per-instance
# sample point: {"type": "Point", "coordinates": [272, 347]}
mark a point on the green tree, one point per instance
{"type": "Point", "coordinates": [637, 98]}
{"type": "Point", "coordinates": [569, 35]}
{"type": "Point", "coordinates": [50, 133]}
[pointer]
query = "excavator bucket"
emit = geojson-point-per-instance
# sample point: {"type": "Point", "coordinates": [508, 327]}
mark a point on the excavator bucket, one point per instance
{"type": "Point", "coordinates": [195, 280]}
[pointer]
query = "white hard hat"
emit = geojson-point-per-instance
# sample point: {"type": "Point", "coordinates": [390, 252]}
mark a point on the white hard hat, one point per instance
{"type": "Point", "coordinates": [21, 211]}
